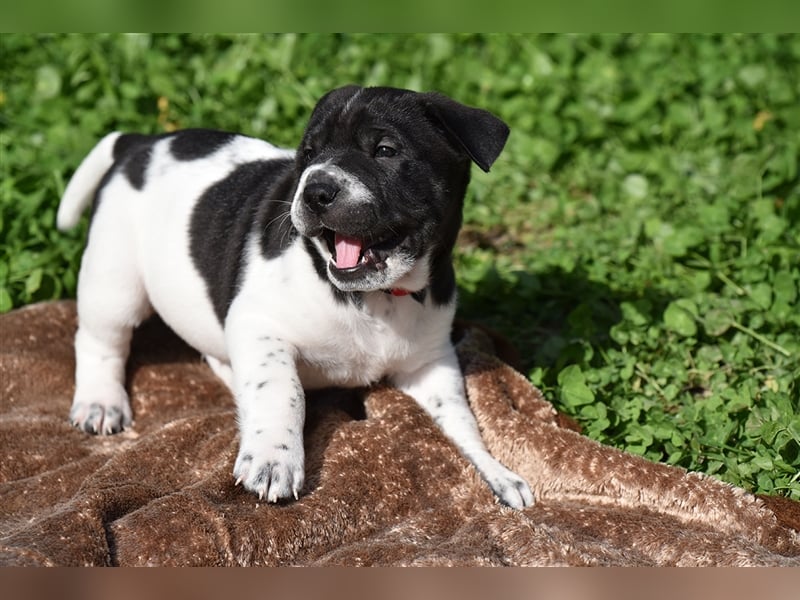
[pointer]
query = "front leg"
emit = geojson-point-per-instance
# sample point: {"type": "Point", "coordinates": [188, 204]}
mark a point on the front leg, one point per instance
{"type": "Point", "coordinates": [439, 389]}
{"type": "Point", "coordinates": [271, 411]}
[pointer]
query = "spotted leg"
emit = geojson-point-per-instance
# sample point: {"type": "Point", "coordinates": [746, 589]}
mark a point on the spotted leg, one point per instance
{"type": "Point", "coordinates": [271, 412]}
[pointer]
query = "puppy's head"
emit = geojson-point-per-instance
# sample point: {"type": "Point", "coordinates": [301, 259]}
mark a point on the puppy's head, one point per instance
{"type": "Point", "coordinates": [381, 179]}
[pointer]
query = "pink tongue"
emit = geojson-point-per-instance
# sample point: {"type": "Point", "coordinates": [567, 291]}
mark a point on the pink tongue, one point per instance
{"type": "Point", "coordinates": [348, 251]}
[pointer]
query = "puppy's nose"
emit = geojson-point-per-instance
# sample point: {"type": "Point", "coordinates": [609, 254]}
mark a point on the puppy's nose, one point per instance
{"type": "Point", "coordinates": [319, 195]}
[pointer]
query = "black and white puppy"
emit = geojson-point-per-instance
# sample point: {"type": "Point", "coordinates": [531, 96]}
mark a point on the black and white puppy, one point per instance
{"type": "Point", "coordinates": [329, 266]}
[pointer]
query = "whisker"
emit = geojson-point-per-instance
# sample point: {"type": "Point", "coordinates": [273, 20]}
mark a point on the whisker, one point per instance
{"type": "Point", "coordinates": [282, 215]}
{"type": "Point", "coordinates": [287, 230]}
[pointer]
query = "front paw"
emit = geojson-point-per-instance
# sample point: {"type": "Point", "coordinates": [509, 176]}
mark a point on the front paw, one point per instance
{"type": "Point", "coordinates": [510, 488]}
{"type": "Point", "coordinates": [274, 471]}
{"type": "Point", "coordinates": [103, 413]}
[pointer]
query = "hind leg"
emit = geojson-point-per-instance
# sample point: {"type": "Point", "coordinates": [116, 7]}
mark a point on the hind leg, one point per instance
{"type": "Point", "coordinates": [111, 303]}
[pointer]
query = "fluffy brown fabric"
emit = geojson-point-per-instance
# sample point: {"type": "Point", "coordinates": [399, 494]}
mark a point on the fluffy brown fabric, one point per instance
{"type": "Point", "coordinates": [384, 487]}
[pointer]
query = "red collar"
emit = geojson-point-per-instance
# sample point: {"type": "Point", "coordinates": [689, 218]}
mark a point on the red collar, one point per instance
{"type": "Point", "coordinates": [419, 296]}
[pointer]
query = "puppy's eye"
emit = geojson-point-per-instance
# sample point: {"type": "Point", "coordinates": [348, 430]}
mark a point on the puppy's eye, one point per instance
{"type": "Point", "coordinates": [385, 150]}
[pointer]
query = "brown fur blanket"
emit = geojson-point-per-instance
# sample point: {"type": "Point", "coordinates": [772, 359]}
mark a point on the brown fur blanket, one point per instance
{"type": "Point", "coordinates": [384, 486]}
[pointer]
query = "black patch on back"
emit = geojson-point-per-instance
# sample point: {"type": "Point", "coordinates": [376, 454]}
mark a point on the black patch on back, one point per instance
{"type": "Point", "coordinates": [224, 218]}
{"type": "Point", "coordinates": [132, 153]}
{"type": "Point", "coordinates": [191, 144]}
{"type": "Point", "coordinates": [130, 141]}
{"type": "Point", "coordinates": [136, 166]}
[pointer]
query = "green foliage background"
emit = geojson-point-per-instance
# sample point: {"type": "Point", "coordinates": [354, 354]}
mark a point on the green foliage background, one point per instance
{"type": "Point", "coordinates": [638, 239]}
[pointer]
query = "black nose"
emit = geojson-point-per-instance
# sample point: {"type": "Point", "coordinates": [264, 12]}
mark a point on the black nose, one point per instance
{"type": "Point", "coordinates": [319, 195]}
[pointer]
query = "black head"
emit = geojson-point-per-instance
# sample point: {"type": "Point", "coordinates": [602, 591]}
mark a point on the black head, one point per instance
{"type": "Point", "coordinates": [381, 177]}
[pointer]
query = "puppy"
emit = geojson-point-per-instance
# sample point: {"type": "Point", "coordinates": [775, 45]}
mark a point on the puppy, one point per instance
{"type": "Point", "coordinates": [328, 266]}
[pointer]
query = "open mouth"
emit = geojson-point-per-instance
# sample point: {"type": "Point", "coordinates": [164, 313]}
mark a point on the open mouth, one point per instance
{"type": "Point", "coordinates": [352, 254]}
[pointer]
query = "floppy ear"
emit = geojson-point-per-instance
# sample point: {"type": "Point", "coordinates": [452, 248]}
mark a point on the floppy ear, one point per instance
{"type": "Point", "coordinates": [478, 131]}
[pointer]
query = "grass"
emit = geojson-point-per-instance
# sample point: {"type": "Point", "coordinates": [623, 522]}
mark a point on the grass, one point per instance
{"type": "Point", "coordinates": [639, 239]}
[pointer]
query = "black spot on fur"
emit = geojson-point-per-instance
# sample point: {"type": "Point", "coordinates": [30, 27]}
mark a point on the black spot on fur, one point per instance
{"type": "Point", "coordinates": [223, 220]}
{"type": "Point", "coordinates": [281, 447]}
{"type": "Point", "coordinates": [128, 142]}
{"type": "Point", "coordinates": [443, 283]}
{"type": "Point", "coordinates": [261, 385]}
{"type": "Point", "coordinates": [132, 152]}
{"type": "Point", "coordinates": [192, 144]}
{"type": "Point", "coordinates": [136, 166]}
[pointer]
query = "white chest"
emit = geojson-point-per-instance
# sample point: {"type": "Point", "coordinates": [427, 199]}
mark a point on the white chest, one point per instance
{"type": "Point", "coordinates": [339, 343]}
